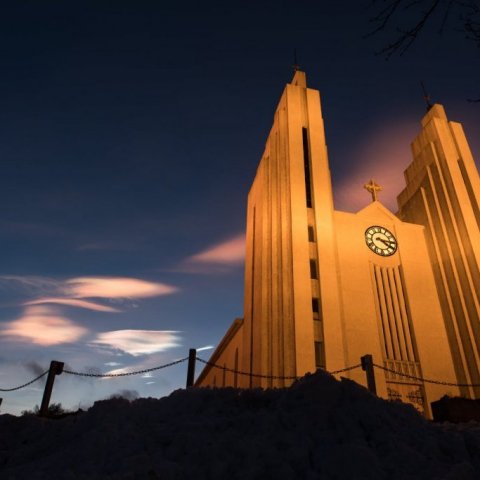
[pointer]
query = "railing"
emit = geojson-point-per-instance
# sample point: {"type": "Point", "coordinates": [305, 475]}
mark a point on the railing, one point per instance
{"type": "Point", "coordinates": [398, 373]}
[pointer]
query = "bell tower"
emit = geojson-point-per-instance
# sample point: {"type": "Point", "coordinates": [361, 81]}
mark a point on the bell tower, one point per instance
{"type": "Point", "coordinates": [443, 194]}
{"type": "Point", "coordinates": [289, 216]}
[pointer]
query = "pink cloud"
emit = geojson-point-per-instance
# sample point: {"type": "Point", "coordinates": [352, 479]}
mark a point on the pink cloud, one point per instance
{"type": "Point", "coordinates": [383, 156]}
{"type": "Point", "coordinates": [138, 342]}
{"type": "Point", "coordinates": [42, 325]}
{"type": "Point", "coordinates": [230, 252]}
{"type": "Point", "coordinates": [72, 302]}
{"type": "Point", "coordinates": [115, 287]}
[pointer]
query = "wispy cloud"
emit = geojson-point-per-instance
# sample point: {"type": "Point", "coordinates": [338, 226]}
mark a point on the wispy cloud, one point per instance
{"type": "Point", "coordinates": [383, 156]}
{"type": "Point", "coordinates": [73, 292]}
{"type": "Point", "coordinates": [217, 258]}
{"type": "Point", "coordinates": [207, 347]}
{"type": "Point", "coordinates": [115, 287]}
{"type": "Point", "coordinates": [138, 342]}
{"type": "Point", "coordinates": [73, 302]}
{"type": "Point", "coordinates": [43, 325]}
{"type": "Point", "coordinates": [231, 252]}
{"type": "Point", "coordinates": [29, 284]}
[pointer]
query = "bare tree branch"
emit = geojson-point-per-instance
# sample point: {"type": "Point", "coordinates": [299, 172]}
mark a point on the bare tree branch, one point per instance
{"type": "Point", "coordinates": [458, 15]}
{"type": "Point", "coordinates": [417, 13]}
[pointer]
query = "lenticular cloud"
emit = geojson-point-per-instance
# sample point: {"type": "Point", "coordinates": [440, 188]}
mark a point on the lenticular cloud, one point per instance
{"type": "Point", "coordinates": [115, 287]}
{"type": "Point", "coordinates": [43, 325]}
{"type": "Point", "coordinates": [73, 302]}
{"type": "Point", "coordinates": [230, 252]}
{"type": "Point", "coordinates": [139, 342]}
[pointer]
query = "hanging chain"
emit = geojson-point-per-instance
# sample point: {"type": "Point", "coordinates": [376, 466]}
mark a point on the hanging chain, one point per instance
{"type": "Point", "coordinates": [126, 374]}
{"type": "Point", "coordinates": [24, 385]}
{"type": "Point", "coordinates": [426, 380]}
{"type": "Point", "coordinates": [272, 377]}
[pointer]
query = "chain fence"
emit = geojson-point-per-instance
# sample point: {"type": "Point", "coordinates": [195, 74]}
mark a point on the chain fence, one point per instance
{"type": "Point", "coordinates": [249, 374]}
{"type": "Point", "coordinates": [124, 374]}
{"type": "Point", "coordinates": [346, 369]}
{"type": "Point", "coordinates": [238, 372]}
{"type": "Point", "coordinates": [336, 372]}
{"type": "Point", "coordinates": [24, 385]}
{"type": "Point", "coordinates": [269, 377]}
{"type": "Point", "coordinates": [98, 375]}
{"type": "Point", "coordinates": [426, 380]}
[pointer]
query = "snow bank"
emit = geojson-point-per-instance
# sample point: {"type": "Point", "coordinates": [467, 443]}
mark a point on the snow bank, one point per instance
{"type": "Point", "coordinates": [320, 428]}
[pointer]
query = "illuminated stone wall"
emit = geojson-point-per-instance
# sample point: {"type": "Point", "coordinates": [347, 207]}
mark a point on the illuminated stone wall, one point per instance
{"type": "Point", "coordinates": [323, 287]}
{"type": "Point", "coordinates": [443, 193]}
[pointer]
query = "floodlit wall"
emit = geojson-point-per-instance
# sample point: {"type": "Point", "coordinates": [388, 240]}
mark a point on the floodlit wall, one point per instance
{"type": "Point", "coordinates": [443, 193]}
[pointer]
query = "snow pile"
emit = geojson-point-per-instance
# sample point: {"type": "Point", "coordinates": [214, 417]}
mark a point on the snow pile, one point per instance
{"type": "Point", "coordinates": [320, 428]}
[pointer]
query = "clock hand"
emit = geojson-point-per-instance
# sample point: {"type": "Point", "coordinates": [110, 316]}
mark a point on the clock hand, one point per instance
{"type": "Point", "coordinates": [388, 243]}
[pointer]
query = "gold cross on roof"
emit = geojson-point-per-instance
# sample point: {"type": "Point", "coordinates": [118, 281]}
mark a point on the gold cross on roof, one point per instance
{"type": "Point", "coordinates": [373, 188]}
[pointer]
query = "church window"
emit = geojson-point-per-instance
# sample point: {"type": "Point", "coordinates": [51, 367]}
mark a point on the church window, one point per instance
{"type": "Point", "coordinates": [313, 269]}
{"type": "Point", "coordinates": [319, 355]}
{"type": "Point", "coordinates": [311, 234]}
{"type": "Point", "coordinates": [315, 307]}
{"type": "Point", "coordinates": [306, 165]}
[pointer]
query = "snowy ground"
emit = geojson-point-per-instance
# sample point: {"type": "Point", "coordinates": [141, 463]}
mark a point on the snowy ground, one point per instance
{"type": "Point", "coordinates": [318, 429]}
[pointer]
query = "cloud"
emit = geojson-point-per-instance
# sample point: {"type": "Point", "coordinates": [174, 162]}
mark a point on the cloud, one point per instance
{"type": "Point", "coordinates": [207, 347]}
{"type": "Point", "coordinates": [72, 302]}
{"type": "Point", "coordinates": [115, 287]}
{"type": "Point", "coordinates": [30, 283]}
{"type": "Point", "coordinates": [383, 156]}
{"type": "Point", "coordinates": [138, 342]}
{"type": "Point", "coordinates": [231, 252]}
{"type": "Point", "coordinates": [72, 292]}
{"type": "Point", "coordinates": [43, 325]}
{"type": "Point", "coordinates": [217, 258]}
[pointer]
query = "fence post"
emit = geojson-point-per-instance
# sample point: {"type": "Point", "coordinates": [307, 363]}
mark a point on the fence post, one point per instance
{"type": "Point", "coordinates": [1, 400]}
{"type": "Point", "coordinates": [367, 367]}
{"type": "Point", "coordinates": [192, 356]}
{"type": "Point", "coordinates": [56, 368]}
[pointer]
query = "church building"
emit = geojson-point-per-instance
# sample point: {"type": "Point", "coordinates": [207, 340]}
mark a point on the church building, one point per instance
{"type": "Point", "coordinates": [325, 287]}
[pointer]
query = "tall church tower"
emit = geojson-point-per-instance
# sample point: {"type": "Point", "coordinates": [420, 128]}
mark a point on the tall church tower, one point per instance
{"type": "Point", "coordinates": [443, 193]}
{"type": "Point", "coordinates": [290, 212]}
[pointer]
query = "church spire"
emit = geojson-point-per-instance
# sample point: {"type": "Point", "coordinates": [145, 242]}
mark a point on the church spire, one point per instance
{"type": "Point", "coordinates": [299, 79]}
{"type": "Point", "coordinates": [426, 97]}
{"type": "Point", "coordinates": [295, 66]}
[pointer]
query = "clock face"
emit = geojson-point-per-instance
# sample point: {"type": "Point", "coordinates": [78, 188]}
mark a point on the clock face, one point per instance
{"type": "Point", "coordinates": [380, 241]}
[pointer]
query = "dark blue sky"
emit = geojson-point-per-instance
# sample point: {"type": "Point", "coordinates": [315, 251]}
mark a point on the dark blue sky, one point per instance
{"type": "Point", "coordinates": [129, 135]}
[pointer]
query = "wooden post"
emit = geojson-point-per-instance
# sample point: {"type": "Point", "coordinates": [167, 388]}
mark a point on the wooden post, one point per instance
{"type": "Point", "coordinates": [192, 356]}
{"type": "Point", "coordinates": [56, 368]}
{"type": "Point", "coordinates": [367, 366]}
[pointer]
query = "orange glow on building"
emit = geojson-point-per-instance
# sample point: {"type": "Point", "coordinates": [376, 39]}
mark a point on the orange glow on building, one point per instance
{"type": "Point", "coordinates": [325, 287]}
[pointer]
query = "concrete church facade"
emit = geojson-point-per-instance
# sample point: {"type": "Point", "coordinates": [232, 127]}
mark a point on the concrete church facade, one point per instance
{"type": "Point", "coordinates": [324, 287]}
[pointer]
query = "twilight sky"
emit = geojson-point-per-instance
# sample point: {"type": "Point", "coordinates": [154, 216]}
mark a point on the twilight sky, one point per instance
{"type": "Point", "coordinates": [129, 135]}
